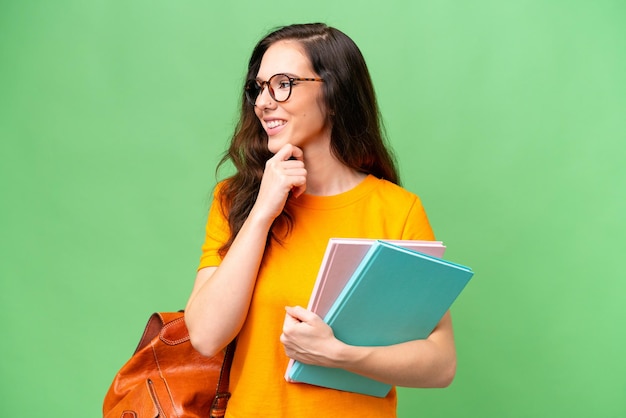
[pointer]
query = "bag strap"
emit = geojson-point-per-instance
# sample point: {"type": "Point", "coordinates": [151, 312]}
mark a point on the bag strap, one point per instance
{"type": "Point", "coordinates": [160, 321]}
{"type": "Point", "coordinates": [222, 395]}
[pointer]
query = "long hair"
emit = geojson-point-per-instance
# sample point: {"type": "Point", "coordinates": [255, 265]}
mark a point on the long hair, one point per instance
{"type": "Point", "coordinates": [356, 137]}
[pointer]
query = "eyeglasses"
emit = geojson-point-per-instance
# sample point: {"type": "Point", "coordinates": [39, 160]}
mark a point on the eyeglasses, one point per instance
{"type": "Point", "coordinates": [279, 87]}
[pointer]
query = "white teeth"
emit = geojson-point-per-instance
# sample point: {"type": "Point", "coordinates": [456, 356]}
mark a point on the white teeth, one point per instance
{"type": "Point", "coordinates": [274, 123]}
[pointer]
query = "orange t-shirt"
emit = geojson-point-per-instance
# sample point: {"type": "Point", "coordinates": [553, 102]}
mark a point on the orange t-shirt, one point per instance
{"type": "Point", "coordinates": [374, 209]}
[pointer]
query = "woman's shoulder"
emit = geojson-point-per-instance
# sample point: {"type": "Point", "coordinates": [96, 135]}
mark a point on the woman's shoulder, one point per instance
{"type": "Point", "coordinates": [401, 208]}
{"type": "Point", "coordinates": [390, 190]}
{"type": "Point", "coordinates": [221, 187]}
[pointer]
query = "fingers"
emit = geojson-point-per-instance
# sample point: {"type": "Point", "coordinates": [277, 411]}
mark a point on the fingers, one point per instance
{"type": "Point", "coordinates": [306, 337]}
{"type": "Point", "coordinates": [287, 169]}
{"type": "Point", "coordinates": [298, 313]}
{"type": "Point", "coordinates": [284, 174]}
{"type": "Point", "coordinates": [298, 190]}
{"type": "Point", "coordinates": [294, 153]}
{"type": "Point", "coordinates": [297, 153]}
{"type": "Point", "coordinates": [288, 151]}
{"type": "Point", "coordinates": [293, 332]}
{"type": "Point", "coordinates": [298, 321]}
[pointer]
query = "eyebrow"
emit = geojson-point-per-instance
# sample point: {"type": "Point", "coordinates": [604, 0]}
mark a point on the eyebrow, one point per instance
{"type": "Point", "coordinates": [285, 73]}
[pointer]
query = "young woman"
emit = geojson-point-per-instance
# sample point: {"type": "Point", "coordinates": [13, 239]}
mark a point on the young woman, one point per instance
{"type": "Point", "coordinates": [311, 164]}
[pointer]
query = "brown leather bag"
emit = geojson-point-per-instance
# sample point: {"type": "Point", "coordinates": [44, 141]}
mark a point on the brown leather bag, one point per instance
{"type": "Point", "coordinates": [167, 377]}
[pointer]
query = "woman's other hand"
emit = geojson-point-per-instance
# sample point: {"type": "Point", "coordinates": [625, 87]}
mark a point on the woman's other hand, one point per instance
{"type": "Point", "coordinates": [284, 173]}
{"type": "Point", "coordinates": [308, 339]}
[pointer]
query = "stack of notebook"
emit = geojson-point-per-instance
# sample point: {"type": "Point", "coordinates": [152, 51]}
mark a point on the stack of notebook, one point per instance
{"type": "Point", "coordinates": [375, 293]}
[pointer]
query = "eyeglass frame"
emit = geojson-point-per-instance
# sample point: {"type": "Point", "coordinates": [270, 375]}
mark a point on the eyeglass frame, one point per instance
{"type": "Point", "coordinates": [263, 84]}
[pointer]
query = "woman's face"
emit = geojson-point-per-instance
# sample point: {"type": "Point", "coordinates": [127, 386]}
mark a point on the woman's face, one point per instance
{"type": "Point", "coordinates": [300, 120]}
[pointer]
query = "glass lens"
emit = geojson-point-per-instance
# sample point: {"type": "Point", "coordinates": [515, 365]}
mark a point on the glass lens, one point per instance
{"type": "Point", "coordinates": [280, 87]}
{"type": "Point", "coordinates": [252, 91]}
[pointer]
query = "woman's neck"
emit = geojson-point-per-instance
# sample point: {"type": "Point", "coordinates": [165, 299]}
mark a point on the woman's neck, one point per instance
{"type": "Point", "coordinates": [328, 176]}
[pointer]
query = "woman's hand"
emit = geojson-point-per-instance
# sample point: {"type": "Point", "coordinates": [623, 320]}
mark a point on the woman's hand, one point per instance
{"type": "Point", "coordinates": [284, 173]}
{"type": "Point", "coordinates": [426, 363]}
{"type": "Point", "coordinates": [308, 339]}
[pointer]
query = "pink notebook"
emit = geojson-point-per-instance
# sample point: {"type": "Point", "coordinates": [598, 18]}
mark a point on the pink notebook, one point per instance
{"type": "Point", "coordinates": [342, 257]}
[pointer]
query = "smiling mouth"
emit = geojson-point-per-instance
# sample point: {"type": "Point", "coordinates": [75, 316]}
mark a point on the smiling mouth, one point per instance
{"type": "Point", "coordinates": [271, 124]}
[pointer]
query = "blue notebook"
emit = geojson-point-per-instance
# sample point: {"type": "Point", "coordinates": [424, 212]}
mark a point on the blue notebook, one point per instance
{"type": "Point", "coordinates": [394, 295]}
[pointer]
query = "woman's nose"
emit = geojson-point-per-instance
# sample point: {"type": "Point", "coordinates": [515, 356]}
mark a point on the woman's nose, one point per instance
{"type": "Point", "coordinates": [264, 99]}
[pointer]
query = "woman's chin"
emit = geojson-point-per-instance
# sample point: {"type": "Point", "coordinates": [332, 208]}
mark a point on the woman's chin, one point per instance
{"type": "Point", "coordinates": [274, 145]}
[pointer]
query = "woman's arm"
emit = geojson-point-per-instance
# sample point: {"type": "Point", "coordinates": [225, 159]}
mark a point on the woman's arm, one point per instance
{"type": "Point", "coordinates": [422, 363]}
{"type": "Point", "coordinates": [221, 296]}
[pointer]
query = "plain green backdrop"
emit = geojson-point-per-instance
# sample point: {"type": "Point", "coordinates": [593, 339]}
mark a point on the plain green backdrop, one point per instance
{"type": "Point", "coordinates": [507, 117]}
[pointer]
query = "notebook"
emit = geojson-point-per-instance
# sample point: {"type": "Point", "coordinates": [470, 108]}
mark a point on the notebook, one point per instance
{"type": "Point", "coordinates": [394, 295]}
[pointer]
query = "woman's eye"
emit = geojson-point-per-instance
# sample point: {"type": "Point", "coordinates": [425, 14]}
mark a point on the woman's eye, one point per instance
{"type": "Point", "coordinates": [283, 84]}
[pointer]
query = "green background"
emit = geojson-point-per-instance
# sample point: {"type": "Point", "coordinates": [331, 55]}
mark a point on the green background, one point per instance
{"type": "Point", "coordinates": [508, 119]}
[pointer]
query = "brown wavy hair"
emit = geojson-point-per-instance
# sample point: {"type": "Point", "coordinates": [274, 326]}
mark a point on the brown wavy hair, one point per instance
{"type": "Point", "coordinates": [357, 138]}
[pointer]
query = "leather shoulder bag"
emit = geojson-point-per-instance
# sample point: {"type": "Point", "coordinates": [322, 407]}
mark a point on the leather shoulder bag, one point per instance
{"type": "Point", "coordinates": [167, 377]}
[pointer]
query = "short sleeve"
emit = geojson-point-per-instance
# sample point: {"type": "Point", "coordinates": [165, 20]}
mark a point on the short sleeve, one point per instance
{"type": "Point", "coordinates": [417, 226]}
{"type": "Point", "coordinates": [217, 233]}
